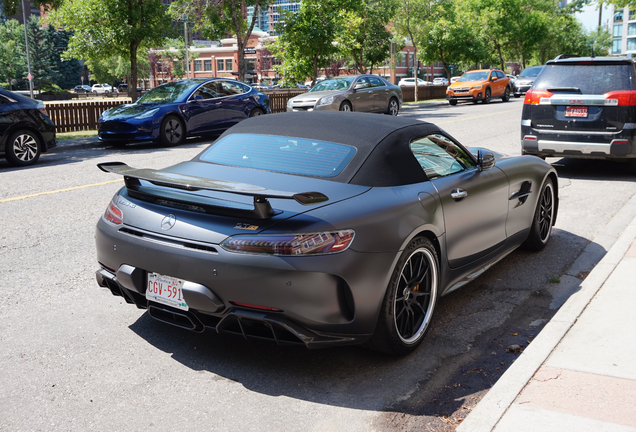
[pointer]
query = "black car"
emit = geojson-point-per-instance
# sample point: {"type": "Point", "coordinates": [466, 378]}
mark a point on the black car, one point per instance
{"type": "Point", "coordinates": [314, 228]}
{"type": "Point", "coordinates": [26, 131]}
{"type": "Point", "coordinates": [525, 80]}
{"type": "Point", "coordinates": [582, 107]}
{"type": "Point", "coordinates": [123, 88]}
{"type": "Point", "coordinates": [82, 89]}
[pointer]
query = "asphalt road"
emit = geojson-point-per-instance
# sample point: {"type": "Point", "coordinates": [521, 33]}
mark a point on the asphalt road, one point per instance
{"type": "Point", "coordinates": [73, 357]}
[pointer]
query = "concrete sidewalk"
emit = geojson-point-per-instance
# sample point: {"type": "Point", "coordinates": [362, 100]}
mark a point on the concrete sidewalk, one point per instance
{"type": "Point", "coordinates": [579, 374]}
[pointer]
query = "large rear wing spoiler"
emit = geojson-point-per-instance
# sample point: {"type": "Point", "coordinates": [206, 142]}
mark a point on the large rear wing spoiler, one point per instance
{"type": "Point", "coordinates": [262, 207]}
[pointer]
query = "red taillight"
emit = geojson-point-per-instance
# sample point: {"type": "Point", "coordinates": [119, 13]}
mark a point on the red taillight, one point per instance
{"type": "Point", "coordinates": [624, 97]}
{"type": "Point", "coordinates": [113, 214]}
{"type": "Point", "coordinates": [44, 111]}
{"type": "Point", "coordinates": [533, 97]}
{"type": "Point", "coordinates": [247, 305]}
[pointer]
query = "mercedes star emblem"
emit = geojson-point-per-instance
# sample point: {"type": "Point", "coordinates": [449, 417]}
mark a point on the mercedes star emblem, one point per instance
{"type": "Point", "coordinates": [168, 222]}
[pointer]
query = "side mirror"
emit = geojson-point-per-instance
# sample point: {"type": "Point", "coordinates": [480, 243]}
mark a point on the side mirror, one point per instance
{"type": "Point", "coordinates": [359, 86]}
{"type": "Point", "coordinates": [485, 159]}
{"type": "Point", "coordinates": [493, 78]}
{"type": "Point", "coordinates": [196, 98]}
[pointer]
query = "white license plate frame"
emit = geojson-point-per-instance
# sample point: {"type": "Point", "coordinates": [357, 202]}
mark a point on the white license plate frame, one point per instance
{"type": "Point", "coordinates": [166, 290]}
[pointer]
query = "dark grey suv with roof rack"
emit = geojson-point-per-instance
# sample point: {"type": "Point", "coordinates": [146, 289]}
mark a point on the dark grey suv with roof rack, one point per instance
{"type": "Point", "coordinates": [582, 107]}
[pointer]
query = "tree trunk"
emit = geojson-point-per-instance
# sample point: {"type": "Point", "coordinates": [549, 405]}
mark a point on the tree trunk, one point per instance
{"type": "Point", "coordinates": [132, 84]}
{"type": "Point", "coordinates": [242, 40]}
{"type": "Point", "coordinates": [415, 67]}
{"type": "Point", "coordinates": [314, 78]}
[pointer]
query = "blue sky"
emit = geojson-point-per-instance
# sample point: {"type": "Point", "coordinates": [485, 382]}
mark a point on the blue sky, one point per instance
{"type": "Point", "coordinates": [589, 17]}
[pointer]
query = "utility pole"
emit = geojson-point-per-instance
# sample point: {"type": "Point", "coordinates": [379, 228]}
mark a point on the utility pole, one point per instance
{"type": "Point", "coordinates": [26, 42]}
{"type": "Point", "coordinates": [185, 39]}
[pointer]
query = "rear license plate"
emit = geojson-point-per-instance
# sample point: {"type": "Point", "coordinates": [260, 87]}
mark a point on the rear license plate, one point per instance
{"type": "Point", "coordinates": [166, 290]}
{"type": "Point", "coordinates": [575, 111]}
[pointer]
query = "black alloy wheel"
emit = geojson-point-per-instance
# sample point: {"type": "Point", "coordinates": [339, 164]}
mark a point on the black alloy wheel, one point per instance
{"type": "Point", "coordinates": [541, 229]}
{"type": "Point", "coordinates": [172, 131]}
{"type": "Point", "coordinates": [409, 302]}
{"type": "Point", "coordinates": [22, 148]}
{"type": "Point", "coordinates": [487, 94]}
{"type": "Point", "coordinates": [506, 96]}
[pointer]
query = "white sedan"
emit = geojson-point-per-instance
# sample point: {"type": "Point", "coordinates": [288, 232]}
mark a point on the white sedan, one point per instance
{"type": "Point", "coordinates": [410, 82]}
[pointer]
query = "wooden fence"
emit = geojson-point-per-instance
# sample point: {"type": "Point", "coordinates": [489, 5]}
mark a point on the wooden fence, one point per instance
{"type": "Point", "coordinates": [79, 116]}
{"type": "Point", "coordinates": [424, 93]}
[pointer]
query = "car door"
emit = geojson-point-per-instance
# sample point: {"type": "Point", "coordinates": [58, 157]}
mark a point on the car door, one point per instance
{"type": "Point", "coordinates": [204, 110]}
{"type": "Point", "coordinates": [7, 116]}
{"type": "Point", "coordinates": [362, 96]}
{"type": "Point", "coordinates": [235, 104]}
{"type": "Point", "coordinates": [474, 202]}
{"type": "Point", "coordinates": [380, 94]}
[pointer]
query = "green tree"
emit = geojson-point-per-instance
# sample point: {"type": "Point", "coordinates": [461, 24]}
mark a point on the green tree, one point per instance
{"type": "Point", "coordinates": [106, 28]}
{"type": "Point", "coordinates": [306, 40]}
{"type": "Point", "coordinates": [215, 19]}
{"type": "Point", "coordinates": [12, 55]}
{"type": "Point", "coordinates": [69, 70]}
{"type": "Point", "coordinates": [363, 35]}
{"type": "Point", "coordinates": [176, 55]}
{"type": "Point", "coordinates": [43, 54]}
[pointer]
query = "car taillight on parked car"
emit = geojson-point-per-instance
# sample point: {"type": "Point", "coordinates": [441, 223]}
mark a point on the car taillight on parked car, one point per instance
{"type": "Point", "coordinates": [533, 97]}
{"type": "Point", "coordinates": [621, 98]}
{"type": "Point", "coordinates": [113, 214]}
{"type": "Point", "coordinates": [290, 244]}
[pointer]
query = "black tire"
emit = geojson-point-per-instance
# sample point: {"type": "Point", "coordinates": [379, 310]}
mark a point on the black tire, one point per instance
{"type": "Point", "coordinates": [452, 102]}
{"type": "Point", "coordinates": [346, 106]}
{"type": "Point", "coordinates": [23, 148]}
{"type": "Point", "coordinates": [393, 108]}
{"type": "Point", "coordinates": [409, 301]}
{"type": "Point", "coordinates": [517, 96]}
{"type": "Point", "coordinates": [172, 131]}
{"type": "Point", "coordinates": [506, 96]}
{"type": "Point", "coordinates": [487, 95]}
{"type": "Point", "coordinates": [541, 229]}
{"type": "Point", "coordinates": [257, 112]}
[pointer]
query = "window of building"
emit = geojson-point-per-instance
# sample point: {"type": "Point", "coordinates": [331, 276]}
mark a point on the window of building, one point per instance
{"type": "Point", "coordinates": [631, 44]}
{"type": "Point", "coordinates": [224, 65]}
{"type": "Point", "coordinates": [632, 15]}
{"type": "Point", "coordinates": [198, 65]}
{"type": "Point", "coordinates": [616, 46]}
{"type": "Point", "coordinates": [228, 64]}
{"type": "Point", "coordinates": [618, 17]}
{"type": "Point", "coordinates": [618, 30]}
{"type": "Point", "coordinates": [207, 65]}
{"type": "Point", "coordinates": [631, 29]}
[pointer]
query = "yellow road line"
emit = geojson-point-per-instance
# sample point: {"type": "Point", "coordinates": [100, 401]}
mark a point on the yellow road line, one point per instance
{"type": "Point", "coordinates": [58, 191]}
{"type": "Point", "coordinates": [476, 117]}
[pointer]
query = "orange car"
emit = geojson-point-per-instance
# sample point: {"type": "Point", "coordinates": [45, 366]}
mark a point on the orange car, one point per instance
{"type": "Point", "coordinates": [480, 85]}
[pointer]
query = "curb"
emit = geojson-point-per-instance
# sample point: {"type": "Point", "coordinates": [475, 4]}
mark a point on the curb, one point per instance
{"type": "Point", "coordinates": [493, 406]}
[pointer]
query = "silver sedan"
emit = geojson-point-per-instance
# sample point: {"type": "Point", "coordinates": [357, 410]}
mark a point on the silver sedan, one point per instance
{"type": "Point", "coordinates": [365, 93]}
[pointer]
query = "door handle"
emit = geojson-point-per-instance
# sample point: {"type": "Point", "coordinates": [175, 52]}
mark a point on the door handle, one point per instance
{"type": "Point", "coordinates": [458, 194]}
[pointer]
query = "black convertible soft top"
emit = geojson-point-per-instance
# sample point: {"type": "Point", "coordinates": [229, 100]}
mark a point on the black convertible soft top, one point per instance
{"type": "Point", "coordinates": [383, 156]}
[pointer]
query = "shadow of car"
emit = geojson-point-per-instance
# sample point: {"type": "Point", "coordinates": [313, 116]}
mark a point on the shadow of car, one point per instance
{"type": "Point", "coordinates": [170, 112]}
{"type": "Point", "coordinates": [26, 131]}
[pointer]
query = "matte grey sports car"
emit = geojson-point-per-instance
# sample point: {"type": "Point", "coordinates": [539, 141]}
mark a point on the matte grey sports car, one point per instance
{"type": "Point", "coordinates": [319, 229]}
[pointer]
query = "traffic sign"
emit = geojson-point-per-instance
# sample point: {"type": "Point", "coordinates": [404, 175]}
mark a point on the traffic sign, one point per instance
{"type": "Point", "coordinates": [29, 77]}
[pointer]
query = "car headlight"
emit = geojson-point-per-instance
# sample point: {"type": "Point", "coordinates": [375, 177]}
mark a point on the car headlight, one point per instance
{"type": "Point", "coordinates": [147, 114]}
{"type": "Point", "coordinates": [328, 100]}
{"type": "Point", "coordinates": [319, 243]}
{"type": "Point", "coordinates": [477, 87]}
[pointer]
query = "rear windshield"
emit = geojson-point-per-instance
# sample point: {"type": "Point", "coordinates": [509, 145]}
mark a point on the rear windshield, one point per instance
{"type": "Point", "coordinates": [531, 71]}
{"type": "Point", "coordinates": [588, 79]}
{"type": "Point", "coordinates": [280, 154]}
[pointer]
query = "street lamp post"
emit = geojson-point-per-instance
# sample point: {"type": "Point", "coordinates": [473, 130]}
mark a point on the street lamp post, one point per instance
{"type": "Point", "coordinates": [185, 39]}
{"type": "Point", "coordinates": [26, 42]}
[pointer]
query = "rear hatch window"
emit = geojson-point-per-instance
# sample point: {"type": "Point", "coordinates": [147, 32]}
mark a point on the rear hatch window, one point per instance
{"type": "Point", "coordinates": [596, 79]}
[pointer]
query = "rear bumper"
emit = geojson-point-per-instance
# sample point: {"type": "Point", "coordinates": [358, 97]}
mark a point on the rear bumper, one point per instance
{"type": "Point", "coordinates": [616, 146]}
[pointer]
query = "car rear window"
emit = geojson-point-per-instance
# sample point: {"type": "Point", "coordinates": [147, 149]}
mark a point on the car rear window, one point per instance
{"type": "Point", "coordinates": [280, 154]}
{"type": "Point", "coordinates": [588, 78]}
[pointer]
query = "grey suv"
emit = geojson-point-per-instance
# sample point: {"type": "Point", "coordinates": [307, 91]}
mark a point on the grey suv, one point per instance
{"type": "Point", "coordinates": [582, 107]}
